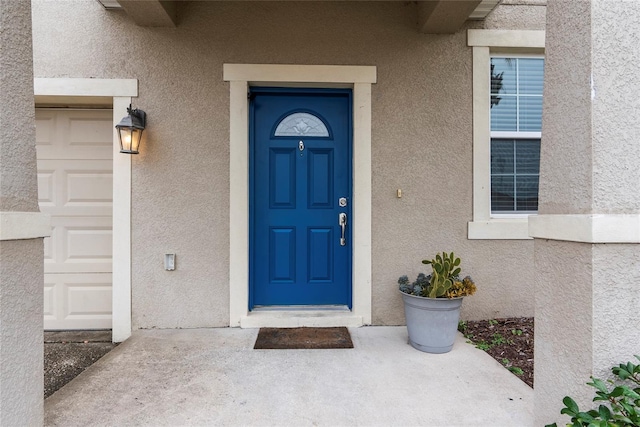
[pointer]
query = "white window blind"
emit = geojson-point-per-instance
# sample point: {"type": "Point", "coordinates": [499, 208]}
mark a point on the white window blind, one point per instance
{"type": "Point", "coordinates": [516, 124]}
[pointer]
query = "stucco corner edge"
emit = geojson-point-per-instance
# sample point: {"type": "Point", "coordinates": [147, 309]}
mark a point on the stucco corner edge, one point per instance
{"type": "Point", "coordinates": [24, 225]}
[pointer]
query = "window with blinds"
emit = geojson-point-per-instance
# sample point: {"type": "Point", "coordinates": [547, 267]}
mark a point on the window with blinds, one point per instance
{"type": "Point", "coordinates": [516, 125]}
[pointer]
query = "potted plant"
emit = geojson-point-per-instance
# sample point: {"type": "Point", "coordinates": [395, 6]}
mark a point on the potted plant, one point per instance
{"type": "Point", "coordinates": [432, 303]}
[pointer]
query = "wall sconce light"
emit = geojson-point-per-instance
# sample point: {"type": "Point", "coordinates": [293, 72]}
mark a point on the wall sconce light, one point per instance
{"type": "Point", "coordinates": [130, 130]}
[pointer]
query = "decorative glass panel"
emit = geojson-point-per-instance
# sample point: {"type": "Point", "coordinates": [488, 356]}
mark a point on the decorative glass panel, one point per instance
{"type": "Point", "coordinates": [301, 124]}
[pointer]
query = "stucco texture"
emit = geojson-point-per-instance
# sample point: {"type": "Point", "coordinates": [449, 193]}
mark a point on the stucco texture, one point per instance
{"type": "Point", "coordinates": [587, 295]}
{"type": "Point", "coordinates": [564, 322]}
{"type": "Point", "coordinates": [517, 15]}
{"type": "Point", "coordinates": [18, 185]}
{"type": "Point", "coordinates": [616, 101]}
{"type": "Point", "coordinates": [566, 173]}
{"type": "Point", "coordinates": [21, 332]}
{"type": "Point", "coordinates": [616, 314]}
{"type": "Point", "coordinates": [597, 60]}
{"type": "Point", "coordinates": [421, 141]}
{"type": "Point", "coordinates": [21, 261]}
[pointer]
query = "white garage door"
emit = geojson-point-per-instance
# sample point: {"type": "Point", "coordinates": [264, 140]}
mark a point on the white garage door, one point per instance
{"type": "Point", "coordinates": [75, 186]}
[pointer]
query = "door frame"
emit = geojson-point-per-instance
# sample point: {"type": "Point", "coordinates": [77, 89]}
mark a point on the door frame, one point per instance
{"type": "Point", "coordinates": [359, 79]}
{"type": "Point", "coordinates": [116, 93]}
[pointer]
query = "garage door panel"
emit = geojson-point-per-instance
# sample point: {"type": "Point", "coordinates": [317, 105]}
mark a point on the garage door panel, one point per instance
{"type": "Point", "coordinates": [45, 127]}
{"type": "Point", "coordinates": [79, 245]}
{"type": "Point", "coordinates": [74, 134]}
{"type": "Point", "coordinates": [88, 244]}
{"type": "Point", "coordinates": [49, 299]}
{"type": "Point", "coordinates": [75, 187]}
{"type": "Point", "coordinates": [90, 130]}
{"type": "Point", "coordinates": [46, 188]}
{"type": "Point", "coordinates": [78, 301]}
{"type": "Point", "coordinates": [89, 187]}
{"type": "Point", "coordinates": [48, 249]}
{"type": "Point", "coordinates": [89, 299]}
{"type": "Point", "coordinates": [53, 247]}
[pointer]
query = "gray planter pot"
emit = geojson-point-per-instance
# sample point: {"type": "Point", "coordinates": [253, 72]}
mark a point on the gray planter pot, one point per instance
{"type": "Point", "coordinates": [432, 322]}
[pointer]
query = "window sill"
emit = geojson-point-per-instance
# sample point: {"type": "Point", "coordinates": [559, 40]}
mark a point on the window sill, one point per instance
{"type": "Point", "coordinates": [500, 229]}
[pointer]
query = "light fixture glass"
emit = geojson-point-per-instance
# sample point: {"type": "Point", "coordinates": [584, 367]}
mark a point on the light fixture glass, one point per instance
{"type": "Point", "coordinates": [130, 130]}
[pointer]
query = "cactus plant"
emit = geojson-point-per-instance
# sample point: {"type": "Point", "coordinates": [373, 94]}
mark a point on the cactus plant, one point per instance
{"type": "Point", "coordinates": [443, 282]}
{"type": "Point", "coordinates": [445, 270]}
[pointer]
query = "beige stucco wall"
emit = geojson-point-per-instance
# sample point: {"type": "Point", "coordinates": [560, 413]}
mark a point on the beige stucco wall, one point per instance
{"type": "Point", "coordinates": [565, 173]}
{"type": "Point", "coordinates": [564, 314]}
{"type": "Point", "coordinates": [18, 190]}
{"type": "Point", "coordinates": [21, 348]}
{"type": "Point", "coordinates": [21, 261]}
{"type": "Point", "coordinates": [616, 94]}
{"type": "Point", "coordinates": [421, 140]}
{"type": "Point", "coordinates": [517, 15]}
{"type": "Point", "coordinates": [587, 295]}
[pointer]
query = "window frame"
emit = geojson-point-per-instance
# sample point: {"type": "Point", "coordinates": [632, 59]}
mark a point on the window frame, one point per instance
{"type": "Point", "coordinates": [515, 135]}
{"type": "Point", "coordinates": [485, 44]}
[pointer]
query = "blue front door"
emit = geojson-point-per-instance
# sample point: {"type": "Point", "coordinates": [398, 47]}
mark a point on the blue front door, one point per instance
{"type": "Point", "coordinates": [300, 197]}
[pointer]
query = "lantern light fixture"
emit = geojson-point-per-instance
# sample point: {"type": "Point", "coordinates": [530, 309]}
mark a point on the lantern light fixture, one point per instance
{"type": "Point", "coordinates": [130, 130]}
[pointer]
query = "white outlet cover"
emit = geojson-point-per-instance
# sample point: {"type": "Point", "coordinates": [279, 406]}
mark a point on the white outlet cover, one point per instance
{"type": "Point", "coordinates": [169, 262]}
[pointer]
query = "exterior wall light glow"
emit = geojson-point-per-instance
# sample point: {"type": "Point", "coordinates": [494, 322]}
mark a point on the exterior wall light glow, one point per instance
{"type": "Point", "coordinates": [130, 130]}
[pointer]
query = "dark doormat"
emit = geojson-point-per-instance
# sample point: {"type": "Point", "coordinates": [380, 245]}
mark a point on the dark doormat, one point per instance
{"type": "Point", "coordinates": [298, 338]}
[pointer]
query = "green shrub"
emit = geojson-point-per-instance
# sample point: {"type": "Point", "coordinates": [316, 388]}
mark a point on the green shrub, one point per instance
{"type": "Point", "coordinates": [622, 408]}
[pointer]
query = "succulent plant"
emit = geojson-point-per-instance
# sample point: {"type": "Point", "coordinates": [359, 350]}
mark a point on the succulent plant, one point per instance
{"type": "Point", "coordinates": [445, 270]}
{"type": "Point", "coordinates": [443, 282]}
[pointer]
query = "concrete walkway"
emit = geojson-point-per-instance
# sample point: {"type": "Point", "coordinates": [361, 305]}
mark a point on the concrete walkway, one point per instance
{"type": "Point", "coordinates": [192, 377]}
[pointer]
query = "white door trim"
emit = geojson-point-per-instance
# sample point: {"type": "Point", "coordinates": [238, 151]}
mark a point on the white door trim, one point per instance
{"type": "Point", "coordinates": [241, 76]}
{"type": "Point", "coordinates": [118, 93]}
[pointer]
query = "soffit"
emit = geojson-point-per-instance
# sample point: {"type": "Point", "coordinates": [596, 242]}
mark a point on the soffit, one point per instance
{"type": "Point", "coordinates": [434, 16]}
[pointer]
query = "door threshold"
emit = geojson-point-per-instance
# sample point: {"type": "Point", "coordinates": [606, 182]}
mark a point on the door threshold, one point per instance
{"type": "Point", "coordinates": [302, 308]}
{"type": "Point", "coordinates": [294, 317]}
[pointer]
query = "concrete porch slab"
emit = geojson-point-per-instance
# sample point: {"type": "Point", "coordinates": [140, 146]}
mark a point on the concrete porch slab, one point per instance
{"type": "Point", "coordinates": [214, 377]}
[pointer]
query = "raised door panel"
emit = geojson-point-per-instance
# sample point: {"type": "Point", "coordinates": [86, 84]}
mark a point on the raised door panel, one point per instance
{"type": "Point", "coordinates": [77, 301]}
{"type": "Point", "coordinates": [320, 179]}
{"type": "Point", "coordinates": [74, 134]}
{"type": "Point", "coordinates": [320, 254]}
{"type": "Point", "coordinates": [79, 245]}
{"type": "Point", "coordinates": [75, 187]}
{"type": "Point", "coordinates": [282, 178]}
{"type": "Point", "coordinates": [282, 255]}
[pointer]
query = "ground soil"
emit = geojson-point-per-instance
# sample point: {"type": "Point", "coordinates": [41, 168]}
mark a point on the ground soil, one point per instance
{"type": "Point", "coordinates": [509, 341]}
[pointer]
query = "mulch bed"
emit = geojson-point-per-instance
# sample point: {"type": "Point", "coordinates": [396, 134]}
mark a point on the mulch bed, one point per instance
{"type": "Point", "coordinates": [509, 341]}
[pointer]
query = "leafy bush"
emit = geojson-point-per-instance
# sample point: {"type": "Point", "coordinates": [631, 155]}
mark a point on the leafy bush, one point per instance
{"type": "Point", "coordinates": [623, 401]}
